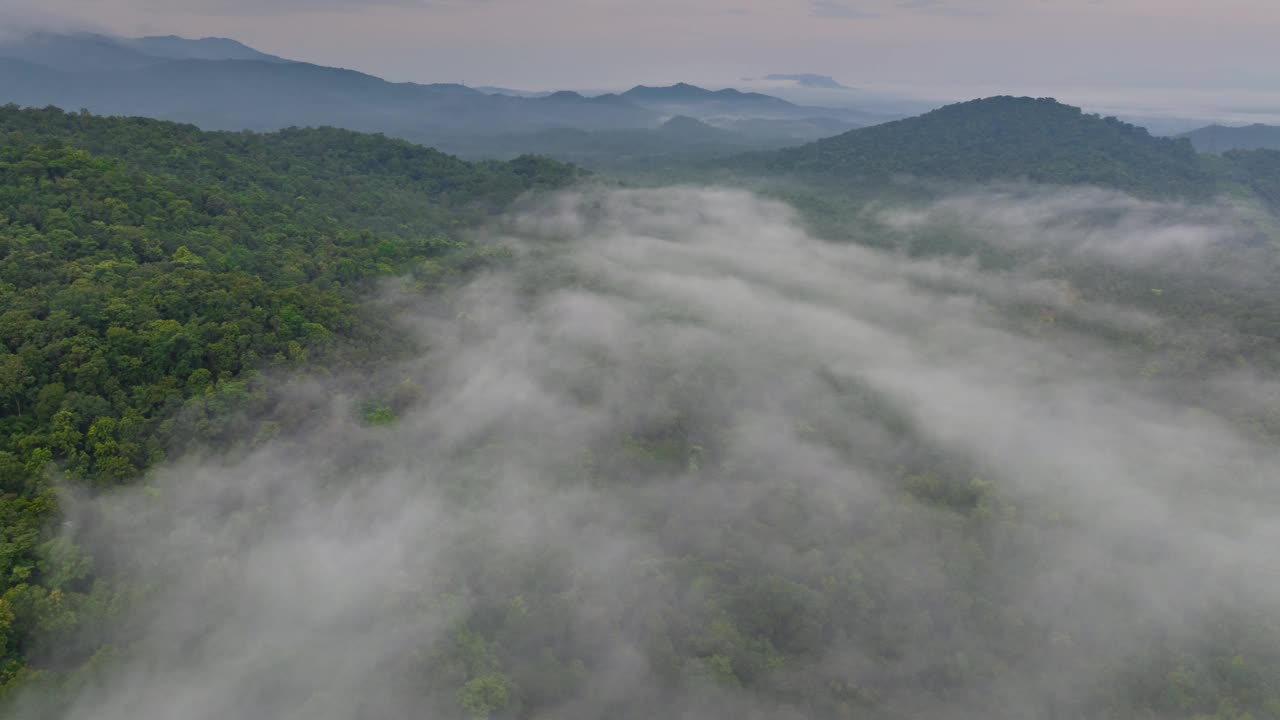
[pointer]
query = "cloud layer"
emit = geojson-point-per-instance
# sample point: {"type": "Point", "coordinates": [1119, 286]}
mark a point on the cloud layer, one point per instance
{"type": "Point", "coordinates": [681, 445]}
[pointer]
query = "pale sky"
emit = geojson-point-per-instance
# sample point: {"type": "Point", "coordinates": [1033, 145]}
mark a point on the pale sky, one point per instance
{"type": "Point", "coordinates": [1202, 44]}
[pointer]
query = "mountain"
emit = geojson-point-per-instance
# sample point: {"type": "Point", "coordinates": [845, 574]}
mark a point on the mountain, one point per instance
{"type": "Point", "coordinates": [1219, 138]}
{"type": "Point", "coordinates": [92, 52]}
{"type": "Point", "coordinates": [685, 127]}
{"type": "Point", "coordinates": [1000, 138]}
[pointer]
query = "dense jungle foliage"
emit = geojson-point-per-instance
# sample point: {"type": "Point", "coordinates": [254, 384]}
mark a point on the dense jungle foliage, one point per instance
{"type": "Point", "coordinates": [149, 271]}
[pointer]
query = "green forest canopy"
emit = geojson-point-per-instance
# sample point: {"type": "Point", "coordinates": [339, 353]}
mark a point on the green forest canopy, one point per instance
{"type": "Point", "coordinates": [148, 267]}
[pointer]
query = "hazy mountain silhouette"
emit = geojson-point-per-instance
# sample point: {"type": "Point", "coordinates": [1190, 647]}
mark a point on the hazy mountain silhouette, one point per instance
{"type": "Point", "coordinates": [1219, 138]}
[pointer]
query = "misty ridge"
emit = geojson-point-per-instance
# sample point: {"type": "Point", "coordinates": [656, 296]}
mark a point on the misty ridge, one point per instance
{"type": "Point", "coordinates": [674, 456]}
{"type": "Point", "coordinates": [221, 84]}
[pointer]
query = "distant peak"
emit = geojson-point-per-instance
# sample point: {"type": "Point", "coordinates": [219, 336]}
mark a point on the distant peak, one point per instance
{"type": "Point", "coordinates": [684, 121]}
{"type": "Point", "coordinates": [679, 89]}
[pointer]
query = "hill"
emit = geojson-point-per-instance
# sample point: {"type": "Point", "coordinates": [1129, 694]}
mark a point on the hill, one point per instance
{"type": "Point", "coordinates": [1000, 138]}
{"type": "Point", "coordinates": [1219, 138]}
{"type": "Point", "coordinates": [1256, 170]}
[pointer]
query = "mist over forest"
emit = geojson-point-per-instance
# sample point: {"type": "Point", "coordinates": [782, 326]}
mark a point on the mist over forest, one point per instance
{"type": "Point", "coordinates": [673, 403]}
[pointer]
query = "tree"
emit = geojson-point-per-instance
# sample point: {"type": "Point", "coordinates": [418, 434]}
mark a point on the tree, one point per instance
{"type": "Point", "coordinates": [14, 379]}
{"type": "Point", "coordinates": [485, 695]}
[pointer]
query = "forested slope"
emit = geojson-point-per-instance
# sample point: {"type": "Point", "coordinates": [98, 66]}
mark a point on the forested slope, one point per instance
{"type": "Point", "coordinates": [148, 267]}
{"type": "Point", "coordinates": [1221, 139]}
{"type": "Point", "coordinates": [1257, 170]}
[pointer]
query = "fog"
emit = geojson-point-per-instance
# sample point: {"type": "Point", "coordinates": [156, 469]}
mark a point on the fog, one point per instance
{"type": "Point", "coordinates": [676, 426]}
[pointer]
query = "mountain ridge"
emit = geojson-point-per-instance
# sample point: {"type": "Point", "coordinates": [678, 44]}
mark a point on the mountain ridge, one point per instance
{"type": "Point", "coordinates": [97, 52]}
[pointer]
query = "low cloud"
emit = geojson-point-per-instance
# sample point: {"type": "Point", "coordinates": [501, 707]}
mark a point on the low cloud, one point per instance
{"type": "Point", "coordinates": [681, 445]}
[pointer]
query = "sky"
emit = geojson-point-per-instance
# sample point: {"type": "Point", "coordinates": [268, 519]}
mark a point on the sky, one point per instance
{"type": "Point", "coordinates": [1158, 45]}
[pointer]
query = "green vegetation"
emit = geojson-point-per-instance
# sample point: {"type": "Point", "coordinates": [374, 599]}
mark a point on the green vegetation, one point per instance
{"type": "Point", "coordinates": [1257, 170]}
{"type": "Point", "coordinates": [149, 271]}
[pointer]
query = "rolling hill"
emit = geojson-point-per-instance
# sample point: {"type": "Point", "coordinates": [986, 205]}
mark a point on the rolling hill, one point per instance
{"type": "Point", "coordinates": [999, 138]}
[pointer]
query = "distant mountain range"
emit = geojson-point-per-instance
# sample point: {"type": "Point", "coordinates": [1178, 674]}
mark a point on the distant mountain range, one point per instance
{"type": "Point", "coordinates": [1218, 138]}
{"type": "Point", "coordinates": [218, 83]}
{"type": "Point", "coordinates": [222, 84]}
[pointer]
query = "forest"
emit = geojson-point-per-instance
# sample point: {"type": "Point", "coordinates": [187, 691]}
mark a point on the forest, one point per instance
{"type": "Point", "coordinates": [323, 424]}
{"type": "Point", "coordinates": [151, 272]}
